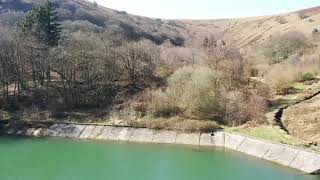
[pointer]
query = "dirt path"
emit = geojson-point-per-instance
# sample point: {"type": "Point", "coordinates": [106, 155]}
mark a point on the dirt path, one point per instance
{"type": "Point", "coordinates": [279, 113]}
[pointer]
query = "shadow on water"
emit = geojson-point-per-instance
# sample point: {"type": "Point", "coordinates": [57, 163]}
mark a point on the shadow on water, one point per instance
{"type": "Point", "coordinates": [15, 139]}
{"type": "Point", "coordinates": [310, 176]}
{"type": "Point", "coordinates": [317, 173]}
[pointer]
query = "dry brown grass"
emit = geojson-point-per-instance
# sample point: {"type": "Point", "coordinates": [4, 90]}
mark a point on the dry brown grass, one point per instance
{"type": "Point", "coordinates": [176, 124]}
{"type": "Point", "coordinates": [296, 69]}
{"type": "Point", "coordinates": [303, 120]}
{"type": "Point", "coordinates": [254, 30]}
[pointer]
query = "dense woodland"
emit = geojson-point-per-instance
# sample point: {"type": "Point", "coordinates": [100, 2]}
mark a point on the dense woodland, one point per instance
{"type": "Point", "coordinates": [57, 60]}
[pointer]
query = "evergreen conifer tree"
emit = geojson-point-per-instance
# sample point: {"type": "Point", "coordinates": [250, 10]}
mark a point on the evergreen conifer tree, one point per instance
{"type": "Point", "coordinates": [42, 22]}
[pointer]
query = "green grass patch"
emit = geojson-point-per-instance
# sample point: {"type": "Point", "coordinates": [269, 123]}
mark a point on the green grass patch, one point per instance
{"type": "Point", "coordinates": [271, 133]}
{"type": "Point", "coordinates": [301, 91]}
{"type": "Point", "coordinates": [306, 87]}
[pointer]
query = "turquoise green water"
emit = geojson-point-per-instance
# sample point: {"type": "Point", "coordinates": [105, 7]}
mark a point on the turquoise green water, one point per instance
{"type": "Point", "coordinates": [58, 159]}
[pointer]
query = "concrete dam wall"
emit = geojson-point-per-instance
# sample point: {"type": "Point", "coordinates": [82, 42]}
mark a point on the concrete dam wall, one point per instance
{"type": "Point", "coordinates": [294, 157]}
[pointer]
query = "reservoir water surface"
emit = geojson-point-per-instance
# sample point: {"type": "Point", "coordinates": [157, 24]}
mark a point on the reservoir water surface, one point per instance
{"type": "Point", "coordinates": [61, 159]}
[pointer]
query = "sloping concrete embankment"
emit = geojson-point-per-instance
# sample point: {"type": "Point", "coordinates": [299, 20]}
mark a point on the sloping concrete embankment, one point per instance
{"type": "Point", "coordinates": [293, 157]}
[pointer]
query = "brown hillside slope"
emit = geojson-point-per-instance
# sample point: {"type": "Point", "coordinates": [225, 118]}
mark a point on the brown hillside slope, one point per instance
{"type": "Point", "coordinates": [134, 27]}
{"type": "Point", "coordinates": [303, 120]}
{"type": "Point", "coordinates": [245, 32]}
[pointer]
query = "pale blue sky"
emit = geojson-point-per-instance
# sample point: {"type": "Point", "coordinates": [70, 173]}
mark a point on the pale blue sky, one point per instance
{"type": "Point", "coordinates": [207, 9]}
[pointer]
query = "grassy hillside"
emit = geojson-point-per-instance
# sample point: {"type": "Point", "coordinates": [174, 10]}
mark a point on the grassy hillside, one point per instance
{"type": "Point", "coordinates": [244, 32]}
{"type": "Point", "coordinates": [302, 120]}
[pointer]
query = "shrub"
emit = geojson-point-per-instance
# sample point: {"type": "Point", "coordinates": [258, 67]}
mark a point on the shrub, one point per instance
{"type": "Point", "coordinates": [10, 18]}
{"type": "Point", "coordinates": [178, 57]}
{"type": "Point", "coordinates": [261, 88]}
{"type": "Point", "coordinates": [81, 25]}
{"type": "Point", "coordinates": [303, 15]}
{"type": "Point", "coordinates": [83, 14]}
{"type": "Point", "coordinates": [162, 105]}
{"type": "Point", "coordinates": [280, 78]}
{"type": "Point", "coordinates": [241, 108]}
{"type": "Point", "coordinates": [280, 47]}
{"type": "Point", "coordinates": [58, 115]}
{"type": "Point", "coordinates": [63, 14]}
{"type": "Point", "coordinates": [283, 87]}
{"type": "Point", "coordinates": [199, 98]}
{"type": "Point", "coordinates": [306, 77]}
{"type": "Point", "coordinates": [281, 20]}
{"type": "Point", "coordinates": [235, 106]}
{"type": "Point", "coordinates": [195, 92]}
{"type": "Point", "coordinates": [190, 91]}
{"type": "Point", "coordinates": [315, 33]}
{"type": "Point", "coordinates": [202, 126]}
{"type": "Point", "coordinates": [256, 108]}
{"type": "Point", "coordinates": [95, 4]}
{"type": "Point", "coordinates": [121, 12]}
{"type": "Point", "coordinates": [297, 69]}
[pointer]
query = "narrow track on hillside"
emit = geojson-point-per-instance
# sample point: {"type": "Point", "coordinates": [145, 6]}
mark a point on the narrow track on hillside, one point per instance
{"type": "Point", "coordinates": [279, 113]}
